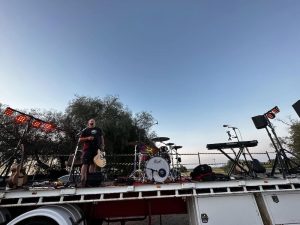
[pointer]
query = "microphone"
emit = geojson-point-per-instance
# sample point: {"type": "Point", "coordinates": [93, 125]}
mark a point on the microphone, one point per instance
{"type": "Point", "coordinates": [80, 132]}
{"type": "Point", "coordinates": [229, 135]}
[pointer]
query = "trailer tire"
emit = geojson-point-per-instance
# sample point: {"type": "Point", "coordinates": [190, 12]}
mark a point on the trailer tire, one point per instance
{"type": "Point", "coordinates": [38, 221]}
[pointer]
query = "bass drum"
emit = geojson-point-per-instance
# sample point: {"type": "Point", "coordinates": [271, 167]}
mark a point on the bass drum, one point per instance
{"type": "Point", "coordinates": [157, 169]}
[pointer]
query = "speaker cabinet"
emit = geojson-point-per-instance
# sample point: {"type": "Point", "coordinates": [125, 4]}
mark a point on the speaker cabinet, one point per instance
{"type": "Point", "coordinates": [94, 179]}
{"type": "Point", "coordinates": [260, 121]}
{"type": "Point", "coordinates": [296, 106]}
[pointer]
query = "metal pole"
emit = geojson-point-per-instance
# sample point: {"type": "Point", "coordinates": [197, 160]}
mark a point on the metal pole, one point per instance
{"type": "Point", "coordinates": [72, 165]}
{"type": "Point", "coordinates": [278, 157]}
{"type": "Point", "coordinates": [268, 156]}
{"type": "Point", "coordinates": [199, 157]}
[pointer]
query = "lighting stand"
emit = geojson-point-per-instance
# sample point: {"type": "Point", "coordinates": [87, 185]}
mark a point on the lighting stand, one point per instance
{"type": "Point", "coordinates": [284, 162]}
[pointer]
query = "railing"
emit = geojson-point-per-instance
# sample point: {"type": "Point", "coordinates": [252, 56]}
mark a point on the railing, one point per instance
{"type": "Point", "coordinates": [265, 157]}
{"type": "Point", "coordinates": [188, 160]}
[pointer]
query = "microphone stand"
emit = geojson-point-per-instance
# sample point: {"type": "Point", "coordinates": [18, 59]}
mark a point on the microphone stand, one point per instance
{"type": "Point", "coordinates": [72, 165]}
{"type": "Point", "coordinates": [250, 171]}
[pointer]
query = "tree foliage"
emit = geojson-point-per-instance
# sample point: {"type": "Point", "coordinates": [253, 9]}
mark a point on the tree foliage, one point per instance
{"type": "Point", "coordinates": [118, 123]}
{"type": "Point", "coordinates": [293, 141]}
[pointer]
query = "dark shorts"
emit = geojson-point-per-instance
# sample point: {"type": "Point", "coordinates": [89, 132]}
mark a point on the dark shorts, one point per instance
{"type": "Point", "coordinates": [88, 156]}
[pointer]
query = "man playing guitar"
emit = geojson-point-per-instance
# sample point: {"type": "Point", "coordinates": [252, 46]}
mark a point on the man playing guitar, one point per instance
{"type": "Point", "coordinates": [92, 138]}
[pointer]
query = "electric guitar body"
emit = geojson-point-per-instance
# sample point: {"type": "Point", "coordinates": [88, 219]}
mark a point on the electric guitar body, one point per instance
{"type": "Point", "coordinates": [99, 159]}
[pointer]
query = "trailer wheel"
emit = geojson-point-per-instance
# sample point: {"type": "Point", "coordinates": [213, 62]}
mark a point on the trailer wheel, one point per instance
{"type": "Point", "coordinates": [39, 221]}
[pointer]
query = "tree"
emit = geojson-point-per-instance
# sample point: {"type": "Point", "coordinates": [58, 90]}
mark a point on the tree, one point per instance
{"type": "Point", "coordinates": [39, 145]}
{"type": "Point", "coordinates": [293, 141]}
{"type": "Point", "coordinates": [117, 122]}
{"type": "Point", "coordinates": [143, 122]}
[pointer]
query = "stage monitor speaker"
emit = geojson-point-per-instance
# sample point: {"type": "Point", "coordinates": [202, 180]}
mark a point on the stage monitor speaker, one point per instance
{"type": "Point", "coordinates": [260, 121]}
{"type": "Point", "coordinates": [296, 106]}
{"type": "Point", "coordinates": [94, 179]}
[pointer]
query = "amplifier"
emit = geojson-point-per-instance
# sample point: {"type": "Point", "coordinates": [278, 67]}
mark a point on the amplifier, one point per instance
{"type": "Point", "coordinates": [94, 179]}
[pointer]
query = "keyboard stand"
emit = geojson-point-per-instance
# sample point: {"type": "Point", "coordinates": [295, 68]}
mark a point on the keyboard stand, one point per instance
{"type": "Point", "coordinates": [236, 163]}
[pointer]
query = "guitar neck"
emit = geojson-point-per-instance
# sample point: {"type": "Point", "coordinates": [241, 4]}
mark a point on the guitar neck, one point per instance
{"type": "Point", "coordinates": [22, 157]}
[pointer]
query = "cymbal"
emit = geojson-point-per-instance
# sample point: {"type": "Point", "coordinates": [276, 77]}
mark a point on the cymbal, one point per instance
{"type": "Point", "coordinates": [160, 139]}
{"type": "Point", "coordinates": [177, 147]}
{"type": "Point", "coordinates": [170, 144]}
{"type": "Point", "coordinates": [133, 143]}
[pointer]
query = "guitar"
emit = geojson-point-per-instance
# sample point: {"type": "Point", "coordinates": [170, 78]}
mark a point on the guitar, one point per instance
{"type": "Point", "coordinates": [18, 175]}
{"type": "Point", "coordinates": [99, 159]}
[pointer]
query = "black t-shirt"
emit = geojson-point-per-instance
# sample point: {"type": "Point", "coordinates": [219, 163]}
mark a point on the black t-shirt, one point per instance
{"type": "Point", "coordinates": [96, 133]}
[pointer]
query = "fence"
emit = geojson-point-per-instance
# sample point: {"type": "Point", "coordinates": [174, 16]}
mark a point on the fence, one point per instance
{"type": "Point", "coordinates": [188, 160]}
{"type": "Point", "coordinates": [206, 158]}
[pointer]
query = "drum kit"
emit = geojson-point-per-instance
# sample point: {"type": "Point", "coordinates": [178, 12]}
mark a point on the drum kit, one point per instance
{"type": "Point", "coordinates": [156, 164]}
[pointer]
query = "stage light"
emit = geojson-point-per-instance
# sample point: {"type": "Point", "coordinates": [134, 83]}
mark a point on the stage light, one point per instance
{"type": "Point", "coordinates": [271, 115]}
{"type": "Point", "coordinates": [275, 110]}
{"type": "Point", "coordinates": [36, 123]}
{"type": "Point", "coordinates": [20, 119]}
{"type": "Point", "coordinates": [49, 127]}
{"type": "Point", "coordinates": [9, 111]}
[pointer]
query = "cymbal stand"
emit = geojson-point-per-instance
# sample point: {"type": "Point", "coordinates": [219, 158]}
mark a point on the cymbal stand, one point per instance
{"type": "Point", "coordinates": [177, 166]}
{"type": "Point", "coordinates": [137, 173]}
{"type": "Point", "coordinates": [172, 159]}
{"type": "Point", "coordinates": [177, 158]}
{"type": "Point", "coordinates": [169, 152]}
{"type": "Point", "coordinates": [134, 165]}
{"type": "Point", "coordinates": [135, 156]}
{"type": "Point", "coordinates": [176, 169]}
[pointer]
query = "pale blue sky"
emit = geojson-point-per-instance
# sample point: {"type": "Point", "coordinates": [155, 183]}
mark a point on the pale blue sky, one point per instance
{"type": "Point", "coordinates": [195, 65]}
